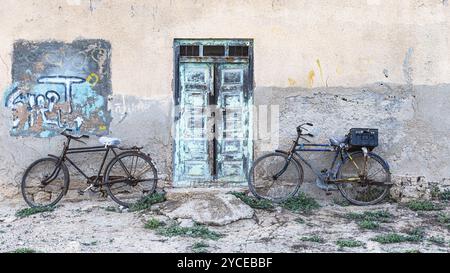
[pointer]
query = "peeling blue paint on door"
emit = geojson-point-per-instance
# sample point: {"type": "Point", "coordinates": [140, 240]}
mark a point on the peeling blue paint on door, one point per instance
{"type": "Point", "coordinates": [192, 145]}
{"type": "Point", "coordinates": [234, 141]}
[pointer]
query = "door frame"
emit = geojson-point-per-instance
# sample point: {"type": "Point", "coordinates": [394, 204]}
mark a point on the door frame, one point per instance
{"type": "Point", "coordinates": [225, 59]}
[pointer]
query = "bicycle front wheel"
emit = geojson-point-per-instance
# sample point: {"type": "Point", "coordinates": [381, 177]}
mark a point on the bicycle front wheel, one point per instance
{"type": "Point", "coordinates": [275, 177]}
{"type": "Point", "coordinates": [45, 182]}
{"type": "Point", "coordinates": [130, 177]}
{"type": "Point", "coordinates": [364, 181]}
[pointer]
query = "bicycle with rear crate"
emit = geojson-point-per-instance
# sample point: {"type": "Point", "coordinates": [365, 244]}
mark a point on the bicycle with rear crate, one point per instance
{"type": "Point", "coordinates": [362, 177]}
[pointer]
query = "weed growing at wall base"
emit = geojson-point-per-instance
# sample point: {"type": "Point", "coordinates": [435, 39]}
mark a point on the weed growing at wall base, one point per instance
{"type": "Point", "coordinates": [153, 224]}
{"type": "Point", "coordinates": [147, 201]}
{"type": "Point", "coordinates": [254, 202]}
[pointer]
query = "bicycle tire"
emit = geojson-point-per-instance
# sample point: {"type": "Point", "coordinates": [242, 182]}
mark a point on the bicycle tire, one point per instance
{"type": "Point", "coordinates": [298, 170]}
{"type": "Point", "coordinates": [64, 189]}
{"type": "Point", "coordinates": [386, 184]}
{"type": "Point", "coordinates": [108, 175]}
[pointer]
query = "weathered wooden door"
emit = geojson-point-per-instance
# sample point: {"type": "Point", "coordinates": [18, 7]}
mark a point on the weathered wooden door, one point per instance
{"type": "Point", "coordinates": [213, 123]}
{"type": "Point", "coordinates": [193, 124]}
{"type": "Point", "coordinates": [233, 146]}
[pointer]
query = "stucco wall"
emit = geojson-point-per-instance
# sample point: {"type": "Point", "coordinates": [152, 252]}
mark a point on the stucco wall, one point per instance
{"type": "Point", "coordinates": [388, 59]}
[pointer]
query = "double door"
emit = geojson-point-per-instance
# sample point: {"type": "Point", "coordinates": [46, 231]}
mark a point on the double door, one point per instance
{"type": "Point", "coordinates": [213, 124]}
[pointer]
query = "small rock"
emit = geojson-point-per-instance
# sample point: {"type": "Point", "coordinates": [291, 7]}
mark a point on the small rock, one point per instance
{"type": "Point", "coordinates": [89, 208]}
{"type": "Point", "coordinates": [186, 222]}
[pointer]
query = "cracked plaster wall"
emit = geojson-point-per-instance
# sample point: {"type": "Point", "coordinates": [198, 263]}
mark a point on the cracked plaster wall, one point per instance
{"type": "Point", "coordinates": [343, 64]}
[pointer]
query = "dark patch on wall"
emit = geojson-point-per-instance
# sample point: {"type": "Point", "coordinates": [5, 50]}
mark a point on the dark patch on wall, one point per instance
{"type": "Point", "coordinates": [59, 85]}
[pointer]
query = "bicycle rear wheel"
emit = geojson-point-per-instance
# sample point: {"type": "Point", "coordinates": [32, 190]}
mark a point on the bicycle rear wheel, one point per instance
{"type": "Point", "coordinates": [368, 190]}
{"type": "Point", "coordinates": [275, 177]}
{"type": "Point", "coordinates": [44, 182]}
{"type": "Point", "coordinates": [130, 177]}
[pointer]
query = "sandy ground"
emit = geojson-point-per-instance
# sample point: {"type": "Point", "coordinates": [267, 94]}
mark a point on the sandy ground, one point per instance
{"type": "Point", "coordinates": [88, 226]}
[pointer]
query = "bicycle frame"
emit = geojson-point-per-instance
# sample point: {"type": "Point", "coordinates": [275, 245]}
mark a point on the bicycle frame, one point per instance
{"type": "Point", "coordinates": [312, 147]}
{"type": "Point", "coordinates": [67, 150]}
{"type": "Point", "coordinates": [305, 147]}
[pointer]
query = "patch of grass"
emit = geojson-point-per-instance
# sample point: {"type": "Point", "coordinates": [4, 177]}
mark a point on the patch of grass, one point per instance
{"type": "Point", "coordinates": [443, 219]}
{"type": "Point", "coordinates": [412, 251]}
{"type": "Point", "coordinates": [313, 238]}
{"type": "Point", "coordinates": [349, 243]}
{"type": "Point", "coordinates": [254, 202]}
{"type": "Point", "coordinates": [370, 219]}
{"type": "Point", "coordinates": [435, 192]}
{"type": "Point", "coordinates": [368, 224]}
{"type": "Point", "coordinates": [438, 240]}
{"type": "Point", "coordinates": [30, 211]}
{"type": "Point", "coordinates": [153, 224]}
{"type": "Point", "coordinates": [301, 203]}
{"type": "Point", "coordinates": [445, 195]}
{"type": "Point", "coordinates": [24, 250]}
{"type": "Point", "coordinates": [393, 238]}
{"type": "Point", "coordinates": [422, 205]}
{"type": "Point", "coordinates": [416, 234]}
{"type": "Point", "coordinates": [196, 231]}
{"type": "Point", "coordinates": [378, 215]}
{"type": "Point", "coordinates": [200, 247]}
{"type": "Point", "coordinates": [147, 201]}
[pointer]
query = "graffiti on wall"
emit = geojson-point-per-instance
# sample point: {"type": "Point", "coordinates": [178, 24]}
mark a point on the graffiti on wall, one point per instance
{"type": "Point", "coordinates": [57, 85]}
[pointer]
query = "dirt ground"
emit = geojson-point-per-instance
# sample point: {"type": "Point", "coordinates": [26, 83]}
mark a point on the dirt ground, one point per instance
{"type": "Point", "coordinates": [93, 226]}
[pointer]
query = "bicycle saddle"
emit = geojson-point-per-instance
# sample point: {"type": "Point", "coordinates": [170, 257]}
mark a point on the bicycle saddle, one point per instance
{"type": "Point", "coordinates": [336, 141]}
{"type": "Point", "coordinates": [109, 141]}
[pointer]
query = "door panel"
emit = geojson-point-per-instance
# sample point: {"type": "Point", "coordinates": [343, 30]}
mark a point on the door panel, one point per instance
{"type": "Point", "coordinates": [233, 139]}
{"type": "Point", "coordinates": [192, 146]}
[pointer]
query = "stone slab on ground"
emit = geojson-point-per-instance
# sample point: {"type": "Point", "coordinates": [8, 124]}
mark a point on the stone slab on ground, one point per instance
{"type": "Point", "coordinates": [209, 208]}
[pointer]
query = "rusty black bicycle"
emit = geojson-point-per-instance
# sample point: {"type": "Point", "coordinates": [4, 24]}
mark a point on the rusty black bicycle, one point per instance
{"type": "Point", "coordinates": [129, 176]}
{"type": "Point", "coordinates": [362, 177]}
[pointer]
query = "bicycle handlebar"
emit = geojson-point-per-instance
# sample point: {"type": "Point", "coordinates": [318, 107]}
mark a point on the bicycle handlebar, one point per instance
{"type": "Point", "coordinates": [300, 129]}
